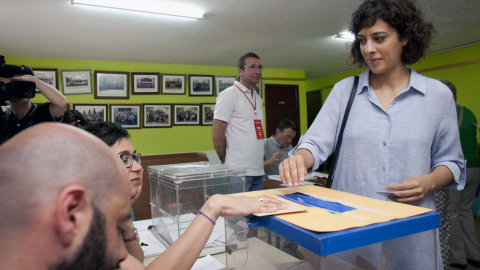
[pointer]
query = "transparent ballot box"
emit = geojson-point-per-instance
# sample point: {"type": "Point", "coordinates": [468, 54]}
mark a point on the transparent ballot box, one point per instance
{"type": "Point", "coordinates": [178, 191]}
{"type": "Point", "coordinates": [268, 242]}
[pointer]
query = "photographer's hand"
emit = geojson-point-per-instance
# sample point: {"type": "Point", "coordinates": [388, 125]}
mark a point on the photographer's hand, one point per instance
{"type": "Point", "coordinates": [6, 80]}
{"type": "Point", "coordinates": [58, 102]}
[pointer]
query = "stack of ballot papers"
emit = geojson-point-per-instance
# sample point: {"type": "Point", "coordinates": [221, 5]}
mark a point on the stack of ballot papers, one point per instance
{"type": "Point", "coordinates": [171, 232]}
{"type": "Point", "coordinates": [153, 247]}
{"type": "Point", "coordinates": [208, 262]}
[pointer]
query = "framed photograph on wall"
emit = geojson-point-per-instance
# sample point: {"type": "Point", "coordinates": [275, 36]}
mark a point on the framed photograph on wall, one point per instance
{"type": "Point", "coordinates": [126, 115]}
{"type": "Point", "coordinates": [173, 84]}
{"type": "Point", "coordinates": [186, 114]}
{"type": "Point", "coordinates": [222, 83]}
{"type": "Point", "coordinates": [207, 114]}
{"type": "Point", "coordinates": [111, 84]}
{"type": "Point", "coordinates": [75, 82]}
{"type": "Point", "coordinates": [200, 85]}
{"type": "Point", "coordinates": [157, 115]}
{"type": "Point", "coordinates": [48, 76]}
{"type": "Point", "coordinates": [259, 88]}
{"type": "Point", "coordinates": [145, 83]}
{"type": "Point", "coordinates": [92, 112]}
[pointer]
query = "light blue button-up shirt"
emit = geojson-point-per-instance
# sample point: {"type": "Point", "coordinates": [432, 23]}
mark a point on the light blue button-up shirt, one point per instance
{"type": "Point", "coordinates": [417, 133]}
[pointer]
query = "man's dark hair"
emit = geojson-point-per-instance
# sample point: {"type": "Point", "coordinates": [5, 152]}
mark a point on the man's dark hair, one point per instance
{"type": "Point", "coordinates": [286, 123]}
{"type": "Point", "coordinates": [108, 132]}
{"type": "Point", "coordinates": [451, 86]}
{"type": "Point", "coordinates": [241, 61]}
{"type": "Point", "coordinates": [404, 16]}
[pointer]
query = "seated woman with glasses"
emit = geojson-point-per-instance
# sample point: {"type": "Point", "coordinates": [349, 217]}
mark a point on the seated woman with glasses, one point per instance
{"type": "Point", "coordinates": [118, 139]}
{"type": "Point", "coordinates": [183, 253]}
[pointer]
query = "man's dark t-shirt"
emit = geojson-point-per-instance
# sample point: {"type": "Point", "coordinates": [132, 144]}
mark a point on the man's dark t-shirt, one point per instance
{"type": "Point", "coordinates": [37, 114]}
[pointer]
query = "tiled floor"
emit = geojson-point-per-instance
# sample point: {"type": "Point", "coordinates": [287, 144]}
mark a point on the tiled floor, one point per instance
{"type": "Point", "coordinates": [477, 229]}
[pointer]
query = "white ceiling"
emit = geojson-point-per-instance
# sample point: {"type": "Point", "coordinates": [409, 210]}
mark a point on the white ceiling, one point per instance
{"type": "Point", "coordinates": [286, 34]}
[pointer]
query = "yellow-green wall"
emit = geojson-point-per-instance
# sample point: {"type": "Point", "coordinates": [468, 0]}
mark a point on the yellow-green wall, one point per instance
{"type": "Point", "coordinates": [177, 139]}
{"type": "Point", "coordinates": [461, 66]}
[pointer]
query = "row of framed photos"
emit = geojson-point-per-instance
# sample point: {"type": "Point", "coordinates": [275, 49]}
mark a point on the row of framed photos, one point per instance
{"type": "Point", "coordinates": [149, 115]}
{"type": "Point", "coordinates": [115, 85]}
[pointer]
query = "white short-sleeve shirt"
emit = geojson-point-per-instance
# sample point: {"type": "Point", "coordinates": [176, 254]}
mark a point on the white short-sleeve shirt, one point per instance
{"type": "Point", "coordinates": [235, 105]}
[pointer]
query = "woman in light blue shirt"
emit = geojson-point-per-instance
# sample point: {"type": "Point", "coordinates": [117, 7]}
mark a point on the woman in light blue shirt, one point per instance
{"type": "Point", "coordinates": [401, 133]}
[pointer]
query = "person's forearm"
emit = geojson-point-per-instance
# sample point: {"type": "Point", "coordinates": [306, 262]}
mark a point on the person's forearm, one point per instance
{"type": "Point", "coordinates": [440, 177]}
{"type": "Point", "coordinates": [220, 147]}
{"type": "Point", "coordinates": [219, 139]}
{"type": "Point", "coordinates": [58, 101]}
{"type": "Point", "coordinates": [183, 253]}
{"type": "Point", "coordinates": [307, 157]}
{"type": "Point", "coordinates": [131, 264]}
{"type": "Point", "coordinates": [133, 247]}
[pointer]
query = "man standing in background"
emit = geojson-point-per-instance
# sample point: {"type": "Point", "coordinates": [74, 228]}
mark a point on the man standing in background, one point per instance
{"type": "Point", "coordinates": [238, 123]}
{"type": "Point", "coordinates": [463, 239]}
{"type": "Point", "coordinates": [278, 145]}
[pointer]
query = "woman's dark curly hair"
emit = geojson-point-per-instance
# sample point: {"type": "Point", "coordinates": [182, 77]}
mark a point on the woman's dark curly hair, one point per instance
{"type": "Point", "coordinates": [404, 16]}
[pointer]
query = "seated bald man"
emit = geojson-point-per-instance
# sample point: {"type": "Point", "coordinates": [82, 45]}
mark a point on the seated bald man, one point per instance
{"type": "Point", "coordinates": [54, 193]}
{"type": "Point", "coordinates": [64, 204]}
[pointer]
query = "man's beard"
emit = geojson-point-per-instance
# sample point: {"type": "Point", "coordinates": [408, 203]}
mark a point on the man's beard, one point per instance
{"type": "Point", "coordinates": [93, 252]}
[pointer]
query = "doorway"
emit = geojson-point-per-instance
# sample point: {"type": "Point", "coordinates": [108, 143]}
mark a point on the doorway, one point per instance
{"type": "Point", "coordinates": [314, 104]}
{"type": "Point", "coordinates": [281, 101]}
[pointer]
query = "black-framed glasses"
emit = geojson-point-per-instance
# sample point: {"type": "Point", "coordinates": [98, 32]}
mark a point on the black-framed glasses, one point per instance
{"type": "Point", "coordinates": [129, 158]}
{"type": "Point", "coordinates": [253, 67]}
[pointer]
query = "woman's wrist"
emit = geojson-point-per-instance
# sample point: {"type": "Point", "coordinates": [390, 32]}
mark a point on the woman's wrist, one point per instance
{"type": "Point", "coordinates": [212, 208]}
{"type": "Point", "coordinates": [131, 238]}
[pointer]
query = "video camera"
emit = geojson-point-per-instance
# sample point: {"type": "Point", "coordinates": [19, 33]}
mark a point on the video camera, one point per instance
{"type": "Point", "coordinates": [15, 89]}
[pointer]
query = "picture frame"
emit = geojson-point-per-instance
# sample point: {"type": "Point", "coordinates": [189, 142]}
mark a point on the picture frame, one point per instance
{"type": "Point", "coordinates": [223, 82]}
{"type": "Point", "coordinates": [126, 115]}
{"type": "Point", "coordinates": [259, 88]}
{"type": "Point", "coordinates": [145, 83]}
{"type": "Point", "coordinates": [157, 115]}
{"type": "Point", "coordinates": [200, 85]}
{"type": "Point", "coordinates": [186, 114]}
{"type": "Point", "coordinates": [207, 113]}
{"type": "Point", "coordinates": [48, 76]}
{"type": "Point", "coordinates": [76, 82]}
{"type": "Point", "coordinates": [110, 84]}
{"type": "Point", "coordinates": [173, 84]}
{"type": "Point", "coordinates": [92, 112]}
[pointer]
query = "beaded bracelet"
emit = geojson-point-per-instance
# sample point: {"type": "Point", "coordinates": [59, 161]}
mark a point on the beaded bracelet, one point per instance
{"type": "Point", "coordinates": [200, 212]}
{"type": "Point", "coordinates": [131, 238]}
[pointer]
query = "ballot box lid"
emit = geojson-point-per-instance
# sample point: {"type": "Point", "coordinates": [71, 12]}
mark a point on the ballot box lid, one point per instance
{"type": "Point", "coordinates": [192, 171]}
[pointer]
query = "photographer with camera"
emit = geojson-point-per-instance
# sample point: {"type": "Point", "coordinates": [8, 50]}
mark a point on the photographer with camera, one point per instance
{"type": "Point", "coordinates": [17, 85]}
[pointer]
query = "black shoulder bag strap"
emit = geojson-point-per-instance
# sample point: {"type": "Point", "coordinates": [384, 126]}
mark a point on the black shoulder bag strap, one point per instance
{"type": "Point", "coordinates": [336, 152]}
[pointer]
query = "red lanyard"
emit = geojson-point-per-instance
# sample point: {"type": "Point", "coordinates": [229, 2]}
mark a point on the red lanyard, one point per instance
{"type": "Point", "coordinates": [254, 106]}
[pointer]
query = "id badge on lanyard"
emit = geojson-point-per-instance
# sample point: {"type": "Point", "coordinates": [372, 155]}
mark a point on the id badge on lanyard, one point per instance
{"type": "Point", "coordinates": [258, 128]}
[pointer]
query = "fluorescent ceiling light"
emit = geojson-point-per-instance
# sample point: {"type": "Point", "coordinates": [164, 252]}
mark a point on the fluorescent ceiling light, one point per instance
{"type": "Point", "coordinates": [147, 6]}
{"type": "Point", "coordinates": [347, 35]}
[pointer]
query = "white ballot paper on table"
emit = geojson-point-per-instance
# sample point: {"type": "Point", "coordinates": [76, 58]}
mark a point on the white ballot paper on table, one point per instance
{"type": "Point", "coordinates": [208, 263]}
